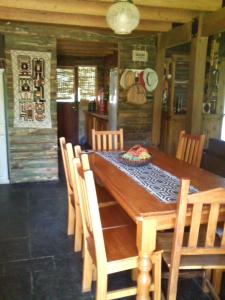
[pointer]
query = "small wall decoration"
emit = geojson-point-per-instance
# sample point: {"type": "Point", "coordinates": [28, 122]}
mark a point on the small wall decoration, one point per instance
{"type": "Point", "coordinates": [31, 85]}
{"type": "Point", "coordinates": [140, 55]}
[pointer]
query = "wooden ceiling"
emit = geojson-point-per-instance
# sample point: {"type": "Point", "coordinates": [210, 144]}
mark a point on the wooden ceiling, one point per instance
{"type": "Point", "coordinates": [156, 16]}
{"type": "Point", "coordinates": [70, 47]}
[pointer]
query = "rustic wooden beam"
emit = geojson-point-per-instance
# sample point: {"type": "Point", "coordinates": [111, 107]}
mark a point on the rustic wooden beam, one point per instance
{"type": "Point", "coordinates": [74, 53]}
{"type": "Point", "coordinates": [177, 36]}
{"type": "Point", "coordinates": [78, 44]}
{"type": "Point", "coordinates": [100, 9]}
{"type": "Point", "coordinates": [157, 105]}
{"type": "Point", "coordinates": [201, 5]}
{"type": "Point", "coordinates": [24, 15]}
{"type": "Point", "coordinates": [196, 84]}
{"type": "Point", "coordinates": [213, 23]}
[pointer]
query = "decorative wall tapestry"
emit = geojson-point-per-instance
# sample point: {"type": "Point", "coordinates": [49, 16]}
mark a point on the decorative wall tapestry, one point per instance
{"type": "Point", "coordinates": [31, 85]}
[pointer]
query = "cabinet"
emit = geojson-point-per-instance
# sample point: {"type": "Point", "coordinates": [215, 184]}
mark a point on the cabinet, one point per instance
{"type": "Point", "coordinates": [3, 144]}
{"type": "Point", "coordinates": [175, 95]}
{"type": "Point", "coordinates": [95, 121]}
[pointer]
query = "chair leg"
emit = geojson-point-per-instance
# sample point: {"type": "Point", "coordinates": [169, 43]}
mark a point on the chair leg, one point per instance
{"type": "Point", "coordinates": [217, 279]}
{"type": "Point", "coordinates": [172, 285]}
{"type": "Point", "coordinates": [87, 271]}
{"type": "Point", "coordinates": [101, 285]}
{"type": "Point", "coordinates": [157, 276]}
{"type": "Point", "coordinates": [206, 276]}
{"type": "Point", "coordinates": [71, 216]}
{"type": "Point", "coordinates": [78, 231]}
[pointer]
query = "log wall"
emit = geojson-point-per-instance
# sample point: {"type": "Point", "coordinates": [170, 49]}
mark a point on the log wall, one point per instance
{"type": "Point", "coordinates": [136, 120]}
{"type": "Point", "coordinates": [32, 152]}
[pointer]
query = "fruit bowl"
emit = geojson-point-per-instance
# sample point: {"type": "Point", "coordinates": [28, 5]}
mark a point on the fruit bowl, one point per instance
{"type": "Point", "coordinates": [136, 156]}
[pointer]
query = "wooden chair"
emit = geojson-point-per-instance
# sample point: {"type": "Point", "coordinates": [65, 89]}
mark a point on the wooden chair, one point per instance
{"type": "Point", "coordinates": [112, 215]}
{"type": "Point", "coordinates": [190, 148]}
{"type": "Point", "coordinates": [193, 248]}
{"type": "Point", "coordinates": [107, 140]}
{"type": "Point", "coordinates": [112, 250]}
{"type": "Point", "coordinates": [77, 150]}
{"type": "Point", "coordinates": [71, 206]}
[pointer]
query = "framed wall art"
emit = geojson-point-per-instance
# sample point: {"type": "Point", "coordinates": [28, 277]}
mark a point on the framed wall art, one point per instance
{"type": "Point", "coordinates": [31, 87]}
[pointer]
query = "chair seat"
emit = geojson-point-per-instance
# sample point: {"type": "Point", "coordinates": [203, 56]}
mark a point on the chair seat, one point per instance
{"type": "Point", "coordinates": [164, 242]}
{"type": "Point", "coordinates": [198, 261]}
{"type": "Point", "coordinates": [113, 216]}
{"type": "Point", "coordinates": [120, 243]}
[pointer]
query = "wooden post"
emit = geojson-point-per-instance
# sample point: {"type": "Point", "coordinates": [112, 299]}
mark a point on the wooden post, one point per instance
{"type": "Point", "coordinates": [157, 106]}
{"type": "Point", "coordinates": [196, 84]}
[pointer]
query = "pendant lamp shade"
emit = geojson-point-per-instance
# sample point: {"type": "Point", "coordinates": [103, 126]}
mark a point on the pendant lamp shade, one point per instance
{"type": "Point", "coordinates": [123, 17]}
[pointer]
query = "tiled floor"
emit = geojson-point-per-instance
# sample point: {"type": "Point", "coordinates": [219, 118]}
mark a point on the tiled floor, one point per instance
{"type": "Point", "coordinates": [36, 256]}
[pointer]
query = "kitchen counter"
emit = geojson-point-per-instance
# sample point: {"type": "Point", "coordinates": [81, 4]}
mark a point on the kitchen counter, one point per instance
{"type": "Point", "coordinates": [95, 121]}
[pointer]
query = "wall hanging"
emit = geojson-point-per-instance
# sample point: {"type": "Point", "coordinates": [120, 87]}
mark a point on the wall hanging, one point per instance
{"type": "Point", "coordinates": [31, 86]}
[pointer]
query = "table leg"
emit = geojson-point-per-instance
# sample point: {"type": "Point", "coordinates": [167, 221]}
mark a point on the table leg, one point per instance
{"type": "Point", "coordinates": [146, 240]}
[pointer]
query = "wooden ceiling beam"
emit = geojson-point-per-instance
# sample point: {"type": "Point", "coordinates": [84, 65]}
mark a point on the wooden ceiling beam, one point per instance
{"type": "Point", "coordinates": [83, 54]}
{"type": "Point", "coordinates": [83, 46]}
{"type": "Point", "coordinates": [63, 49]}
{"type": "Point", "coordinates": [78, 47]}
{"type": "Point", "coordinates": [86, 44]}
{"type": "Point", "coordinates": [100, 9]}
{"type": "Point", "coordinates": [177, 36]}
{"type": "Point", "coordinates": [213, 23]}
{"type": "Point", "coordinates": [72, 19]}
{"type": "Point", "coordinates": [200, 5]}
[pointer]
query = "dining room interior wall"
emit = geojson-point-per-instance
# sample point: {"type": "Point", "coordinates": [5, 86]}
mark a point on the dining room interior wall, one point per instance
{"type": "Point", "coordinates": [136, 120]}
{"type": "Point", "coordinates": [33, 153]}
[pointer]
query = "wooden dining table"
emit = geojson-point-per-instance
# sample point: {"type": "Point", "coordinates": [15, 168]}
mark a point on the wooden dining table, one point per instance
{"type": "Point", "coordinates": [146, 210]}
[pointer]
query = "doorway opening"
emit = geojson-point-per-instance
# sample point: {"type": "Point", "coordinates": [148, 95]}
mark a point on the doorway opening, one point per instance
{"type": "Point", "coordinates": [83, 69]}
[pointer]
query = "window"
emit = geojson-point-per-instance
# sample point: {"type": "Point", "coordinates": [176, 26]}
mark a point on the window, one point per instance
{"type": "Point", "coordinates": [65, 85]}
{"type": "Point", "coordinates": [86, 83]}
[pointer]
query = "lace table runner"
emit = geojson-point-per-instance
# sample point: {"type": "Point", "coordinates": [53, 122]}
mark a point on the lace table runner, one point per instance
{"type": "Point", "coordinates": [156, 181]}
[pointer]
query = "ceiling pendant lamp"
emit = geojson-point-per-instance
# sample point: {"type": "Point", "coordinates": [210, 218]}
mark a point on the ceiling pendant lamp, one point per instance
{"type": "Point", "coordinates": [123, 16]}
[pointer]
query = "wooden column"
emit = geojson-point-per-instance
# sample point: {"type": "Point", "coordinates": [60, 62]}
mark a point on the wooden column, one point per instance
{"type": "Point", "coordinates": [196, 84]}
{"type": "Point", "coordinates": [157, 106]}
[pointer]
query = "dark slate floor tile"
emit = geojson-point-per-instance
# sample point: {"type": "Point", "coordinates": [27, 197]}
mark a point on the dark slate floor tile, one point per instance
{"type": "Point", "coordinates": [16, 203]}
{"type": "Point", "coordinates": [14, 227]}
{"type": "Point", "coordinates": [45, 264]}
{"type": "Point", "coordinates": [188, 289]}
{"type": "Point", "coordinates": [44, 286]}
{"type": "Point", "coordinates": [14, 249]}
{"type": "Point", "coordinates": [16, 287]}
{"type": "Point", "coordinates": [47, 190]}
{"type": "Point", "coordinates": [41, 264]}
{"type": "Point", "coordinates": [45, 244]}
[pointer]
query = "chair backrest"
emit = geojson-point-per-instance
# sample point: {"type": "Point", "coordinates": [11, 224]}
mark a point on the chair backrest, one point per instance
{"type": "Point", "coordinates": [107, 140]}
{"type": "Point", "coordinates": [64, 153]}
{"type": "Point", "coordinates": [95, 239]}
{"type": "Point", "coordinates": [190, 148]}
{"type": "Point", "coordinates": [208, 207]}
{"type": "Point", "coordinates": [77, 151]}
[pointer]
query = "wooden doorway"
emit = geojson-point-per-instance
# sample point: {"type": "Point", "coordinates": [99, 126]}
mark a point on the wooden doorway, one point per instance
{"type": "Point", "coordinates": [68, 125]}
{"type": "Point", "coordinates": [67, 105]}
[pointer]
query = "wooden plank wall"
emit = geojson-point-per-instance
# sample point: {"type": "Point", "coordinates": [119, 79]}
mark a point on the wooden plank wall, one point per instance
{"type": "Point", "coordinates": [136, 120]}
{"type": "Point", "coordinates": [32, 152]}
